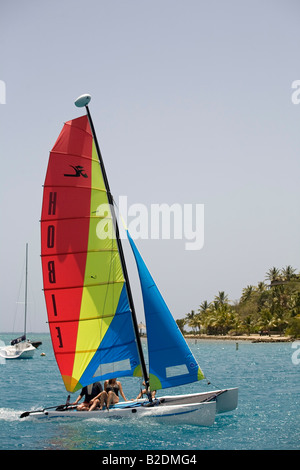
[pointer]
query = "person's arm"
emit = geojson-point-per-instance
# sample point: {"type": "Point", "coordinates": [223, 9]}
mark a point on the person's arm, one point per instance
{"type": "Point", "coordinates": [77, 400]}
{"type": "Point", "coordinates": [96, 397]}
{"type": "Point", "coordinates": [121, 391]}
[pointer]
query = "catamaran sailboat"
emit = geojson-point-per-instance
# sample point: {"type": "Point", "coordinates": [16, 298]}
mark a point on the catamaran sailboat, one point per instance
{"type": "Point", "coordinates": [91, 313]}
{"type": "Point", "coordinates": [21, 347]}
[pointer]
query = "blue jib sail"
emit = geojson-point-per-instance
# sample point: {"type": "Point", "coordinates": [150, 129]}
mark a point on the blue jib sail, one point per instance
{"type": "Point", "coordinates": [171, 362]}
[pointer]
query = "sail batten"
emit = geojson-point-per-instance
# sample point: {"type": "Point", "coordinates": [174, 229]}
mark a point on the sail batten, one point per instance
{"type": "Point", "coordinates": [84, 319]}
{"type": "Point", "coordinates": [102, 250]}
{"type": "Point", "coordinates": [78, 187]}
{"type": "Point", "coordinates": [84, 285]}
{"type": "Point", "coordinates": [85, 351]}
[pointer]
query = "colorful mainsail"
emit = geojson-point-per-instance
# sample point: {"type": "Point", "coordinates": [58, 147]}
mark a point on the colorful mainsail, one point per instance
{"type": "Point", "coordinates": [171, 362]}
{"type": "Point", "coordinates": [85, 291]}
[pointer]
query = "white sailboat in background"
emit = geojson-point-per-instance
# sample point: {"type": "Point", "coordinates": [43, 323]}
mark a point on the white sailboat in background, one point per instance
{"type": "Point", "coordinates": [21, 347]}
{"type": "Point", "coordinates": [91, 314]}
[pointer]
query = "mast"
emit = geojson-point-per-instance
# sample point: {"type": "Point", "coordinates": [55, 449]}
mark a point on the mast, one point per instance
{"type": "Point", "coordinates": [26, 275]}
{"type": "Point", "coordinates": [80, 102]}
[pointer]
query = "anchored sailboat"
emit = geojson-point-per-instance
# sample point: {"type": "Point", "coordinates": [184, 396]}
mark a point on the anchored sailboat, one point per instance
{"type": "Point", "coordinates": [90, 306]}
{"type": "Point", "coordinates": [21, 347]}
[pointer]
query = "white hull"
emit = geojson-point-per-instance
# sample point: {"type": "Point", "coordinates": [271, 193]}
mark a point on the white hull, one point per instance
{"type": "Point", "coordinates": [226, 400]}
{"type": "Point", "coordinates": [23, 350]}
{"type": "Point", "coordinates": [201, 414]}
{"type": "Point", "coordinates": [197, 409]}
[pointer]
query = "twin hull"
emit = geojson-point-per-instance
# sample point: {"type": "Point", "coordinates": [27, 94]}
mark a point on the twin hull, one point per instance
{"type": "Point", "coordinates": [197, 409]}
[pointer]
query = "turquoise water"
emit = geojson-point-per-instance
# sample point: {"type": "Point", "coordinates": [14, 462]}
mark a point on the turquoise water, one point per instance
{"type": "Point", "coordinates": [267, 416]}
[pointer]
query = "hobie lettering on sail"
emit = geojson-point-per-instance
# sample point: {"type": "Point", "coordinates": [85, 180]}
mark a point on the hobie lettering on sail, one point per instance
{"type": "Point", "coordinates": [85, 291]}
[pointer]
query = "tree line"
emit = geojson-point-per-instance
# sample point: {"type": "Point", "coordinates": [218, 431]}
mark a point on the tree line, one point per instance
{"type": "Point", "coordinates": [272, 306]}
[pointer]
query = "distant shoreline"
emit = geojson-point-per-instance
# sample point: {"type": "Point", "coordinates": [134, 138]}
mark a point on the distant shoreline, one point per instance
{"type": "Point", "coordinates": [253, 338]}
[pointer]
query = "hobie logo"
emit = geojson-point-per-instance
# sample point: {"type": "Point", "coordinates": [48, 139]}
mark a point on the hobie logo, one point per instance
{"type": "Point", "coordinates": [79, 171]}
{"type": "Point", "coordinates": [162, 221]}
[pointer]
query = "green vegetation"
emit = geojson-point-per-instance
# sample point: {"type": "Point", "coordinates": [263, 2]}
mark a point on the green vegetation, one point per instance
{"type": "Point", "coordinates": [268, 307]}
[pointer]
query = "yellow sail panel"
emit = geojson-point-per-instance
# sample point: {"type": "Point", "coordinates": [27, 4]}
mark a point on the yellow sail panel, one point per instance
{"type": "Point", "coordinates": [104, 278]}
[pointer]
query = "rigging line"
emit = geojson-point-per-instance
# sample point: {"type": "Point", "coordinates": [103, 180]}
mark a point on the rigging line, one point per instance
{"type": "Point", "coordinates": [18, 296]}
{"type": "Point", "coordinates": [209, 382]}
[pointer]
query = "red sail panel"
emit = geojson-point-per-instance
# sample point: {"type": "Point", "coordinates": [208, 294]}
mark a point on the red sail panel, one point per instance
{"type": "Point", "coordinates": [64, 235]}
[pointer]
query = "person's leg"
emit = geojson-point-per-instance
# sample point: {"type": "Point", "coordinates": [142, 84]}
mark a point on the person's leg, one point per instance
{"type": "Point", "coordinates": [83, 407]}
{"type": "Point", "coordinates": [94, 405]}
{"type": "Point", "coordinates": [112, 399]}
{"type": "Point", "coordinates": [103, 398]}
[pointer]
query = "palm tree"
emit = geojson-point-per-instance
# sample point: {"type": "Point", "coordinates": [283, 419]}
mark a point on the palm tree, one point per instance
{"type": "Point", "coordinates": [261, 287]}
{"type": "Point", "coordinates": [288, 273]}
{"type": "Point", "coordinates": [295, 304]}
{"type": "Point", "coordinates": [246, 293]}
{"type": "Point", "coordinates": [273, 275]}
{"type": "Point", "coordinates": [211, 322]}
{"type": "Point", "coordinates": [204, 307]}
{"type": "Point", "coordinates": [180, 323]}
{"type": "Point", "coordinates": [265, 320]}
{"type": "Point", "coordinates": [193, 320]}
{"type": "Point", "coordinates": [221, 298]}
{"type": "Point", "coordinates": [248, 322]}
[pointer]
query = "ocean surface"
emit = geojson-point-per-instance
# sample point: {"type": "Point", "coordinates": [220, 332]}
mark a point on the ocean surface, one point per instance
{"type": "Point", "coordinates": [267, 417]}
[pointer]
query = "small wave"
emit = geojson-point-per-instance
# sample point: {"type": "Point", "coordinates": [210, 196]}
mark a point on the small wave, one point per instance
{"type": "Point", "coordinates": [8, 414]}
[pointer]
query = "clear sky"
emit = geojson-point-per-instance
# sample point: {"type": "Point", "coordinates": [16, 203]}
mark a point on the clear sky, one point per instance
{"type": "Point", "coordinates": [191, 101]}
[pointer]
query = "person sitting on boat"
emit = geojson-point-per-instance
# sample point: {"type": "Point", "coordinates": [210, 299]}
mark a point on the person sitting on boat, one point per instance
{"type": "Point", "coordinates": [145, 392]}
{"type": "Point", "coordinates": [110, 395]}
{"type": "Point", "coordinates": [112, 387]}
{"type": "Point", "coordinates": [89, 392]}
